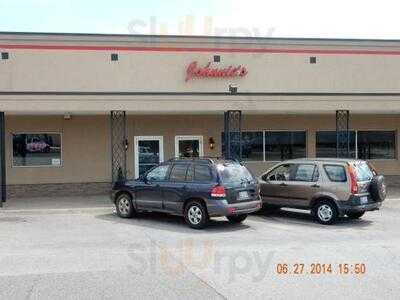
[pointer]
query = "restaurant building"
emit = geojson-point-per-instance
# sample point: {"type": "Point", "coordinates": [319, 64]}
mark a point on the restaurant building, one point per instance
{"type": "Point", "coordinates": [82, 110]}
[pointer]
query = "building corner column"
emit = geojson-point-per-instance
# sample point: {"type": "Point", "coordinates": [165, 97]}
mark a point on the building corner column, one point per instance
{"type": "Point", "coordinates": [3, 159]}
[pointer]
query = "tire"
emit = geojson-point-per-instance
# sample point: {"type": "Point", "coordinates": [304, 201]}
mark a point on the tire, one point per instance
{"type": "Point", "coordinates": [325, 212]}
{"type": "Point", "coordinates": [378, 188]}
{"type": "Point", "coordinates": [237, 219]}
{"type": "Point", "coordinates": [196, 215]}
{"type": "Point", "coordinates": [355, 215]}
{"type": "Point", "coordinates": [124, 206]}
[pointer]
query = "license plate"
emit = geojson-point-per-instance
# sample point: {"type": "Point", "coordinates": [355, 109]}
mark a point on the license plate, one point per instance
{"type": "Point", "coordinates": [364, 200]}
{"type": "Point", "coordinates": [243, 195]}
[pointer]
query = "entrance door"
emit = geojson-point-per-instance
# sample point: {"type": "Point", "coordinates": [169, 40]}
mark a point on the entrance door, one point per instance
{"type": "Point", "coordinates": [188, 146]}
{"type": "Point", "coordinates": [148, 153]}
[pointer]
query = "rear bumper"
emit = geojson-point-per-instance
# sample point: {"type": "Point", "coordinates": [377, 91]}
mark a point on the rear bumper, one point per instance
{"type": "Point", "coordinates": [222, 208]}
{"type": "Point", "coordinates": [354, 205]}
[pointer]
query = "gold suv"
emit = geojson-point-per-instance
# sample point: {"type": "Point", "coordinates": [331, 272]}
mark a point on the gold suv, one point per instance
{"type": "Point", "coordinates": [330, 188]}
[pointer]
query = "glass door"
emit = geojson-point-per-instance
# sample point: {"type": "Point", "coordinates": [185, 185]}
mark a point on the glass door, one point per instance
{"type": "Point", "coordinates": [148, 153]}
{"type": "Point", "coordinates": [188, 146]}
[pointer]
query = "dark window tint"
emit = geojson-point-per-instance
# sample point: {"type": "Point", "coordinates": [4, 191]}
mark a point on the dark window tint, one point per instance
{"type": "Point", "coordinates": [326, 143]}
{"type": "Point", "coordinates": [235, 174]}
{"type": "Point", "coordinates": [252, 145]}
{"type": "Point", "coordinates": [202, 173]}
{"type": "Point", "coordinates": [158, 173]}
{"type": "Point", "coordinates": [376, 144]}
{"type": "Point", "coordinates": [336, 173]}
{"type": "Point", "coordinates": [37, 149]}
{"type": "Point", "coordinates": [178, 172]}
{"type": "Point", "coordinates": [306, 172]}
{"type": "Point", "coordinates": [282, 145]}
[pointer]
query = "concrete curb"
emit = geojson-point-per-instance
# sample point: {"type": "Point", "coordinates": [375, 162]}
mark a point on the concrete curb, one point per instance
{"type": "Point", "coordinates": [109, 209]}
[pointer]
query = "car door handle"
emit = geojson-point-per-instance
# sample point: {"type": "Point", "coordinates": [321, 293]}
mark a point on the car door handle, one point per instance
{"type": "Point", "coordinates": [283, 184]}
{"type": "Point", "coordinates": [315, 186]}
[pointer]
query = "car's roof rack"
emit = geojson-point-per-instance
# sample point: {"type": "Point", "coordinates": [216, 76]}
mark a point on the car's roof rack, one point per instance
{"type": "Point", "coordinates": [209, 159]}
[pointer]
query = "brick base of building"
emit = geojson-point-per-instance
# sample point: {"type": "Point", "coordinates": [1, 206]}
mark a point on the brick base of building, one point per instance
{"type": "Point", "coordinates": [102, 188]}
{"type": "Point", "coordinates": [58, 190]}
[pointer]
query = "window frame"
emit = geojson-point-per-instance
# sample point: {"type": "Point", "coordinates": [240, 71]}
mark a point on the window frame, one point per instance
{"type": "Point", "coordinates": [166, 178]}
{"type": "Point", "coordinates": [194, 174]}
{"type": "Point", "coordinates": [356, 142]}
{"type": "Point", "coordinates": [286, 130]}
{"type": "Point", "coordinates": [171, 168]}
{"type": "Point", "coordinates": [335, 165]}
{"type": "Point", "coordinates": [264, 131]}
{"type": "Point", "coordinates": [313, 179]}
{"type": "Point", "coordinates": [61, 165]}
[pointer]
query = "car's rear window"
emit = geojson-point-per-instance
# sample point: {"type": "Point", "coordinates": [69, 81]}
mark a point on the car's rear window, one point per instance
{"type": "Point", "coordinates": [336, 173]}
{"type": "Point", "coordinates": [234, 173]}
{"type": "Point", "coordinates": [363, 171]}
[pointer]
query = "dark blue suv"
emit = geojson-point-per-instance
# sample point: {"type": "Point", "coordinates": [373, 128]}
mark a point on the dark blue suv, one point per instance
{"type": "Point", "coordinates": [194, 188]}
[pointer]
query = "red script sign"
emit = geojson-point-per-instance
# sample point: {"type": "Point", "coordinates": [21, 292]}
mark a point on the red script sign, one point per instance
{"type": "Point", "coordinates": [194, 71]}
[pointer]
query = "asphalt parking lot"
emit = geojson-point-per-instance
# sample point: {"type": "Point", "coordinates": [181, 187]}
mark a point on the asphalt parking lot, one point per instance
{"type": "Point", "coordinates": [92, 254]}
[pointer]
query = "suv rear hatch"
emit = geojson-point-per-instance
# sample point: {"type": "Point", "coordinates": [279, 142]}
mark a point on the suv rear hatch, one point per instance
{"type": "Point", "coordinates": [364, 175]}
{"type": "Point", "coordinates": [240, 185]}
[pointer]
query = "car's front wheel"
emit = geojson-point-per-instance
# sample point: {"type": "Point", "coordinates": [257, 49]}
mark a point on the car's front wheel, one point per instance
{"type": "Point", "coordinates": [237, 219]}
{"type": "Point", "coordinates": [325, 212]}
{"type": "Point", "coordinates": [196, 215]}
{"type": "Point", "coordinates": [355, 215]}
{"type": "Point", "coordinates": [124, 206]}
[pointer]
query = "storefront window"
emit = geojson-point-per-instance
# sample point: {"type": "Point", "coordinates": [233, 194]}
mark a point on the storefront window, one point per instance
{"type": "Point", "coordinates": [326, 143]}
{"type": "Point", "coordinates": [37, 149]}
{"type": "Point", "coordinates": [282, 145]}
{"type": "Point", "coordinates": [252, 145]}
{"type": "Point", "coordinates": [376, 144]}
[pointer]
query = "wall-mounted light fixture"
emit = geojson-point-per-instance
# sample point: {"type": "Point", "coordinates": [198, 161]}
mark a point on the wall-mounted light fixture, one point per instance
{"type": "Point", "coordinates": [211, 143]}
{"type": "Point", "coordinates": [233, 89]}
{"type": "Point", "coordinates": [126, 144]}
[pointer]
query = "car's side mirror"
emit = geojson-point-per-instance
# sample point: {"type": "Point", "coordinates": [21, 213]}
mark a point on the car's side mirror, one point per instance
{"type": "Point", "coordinates": [265, 177]}
{"type": "Point", "coordinates": [144, 178]}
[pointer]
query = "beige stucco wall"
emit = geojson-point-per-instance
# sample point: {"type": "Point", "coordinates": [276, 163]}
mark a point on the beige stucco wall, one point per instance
{"type": "Point", "coordinates": [86, 140]}
{"type": "Point", "coordinates": [72, 70]}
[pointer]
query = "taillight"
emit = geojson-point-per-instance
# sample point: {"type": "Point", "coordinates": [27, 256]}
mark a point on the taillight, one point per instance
{"type": "Point", "coordinates": [353, 180]}
{"type": "Point", "coordinates": [218, 192]}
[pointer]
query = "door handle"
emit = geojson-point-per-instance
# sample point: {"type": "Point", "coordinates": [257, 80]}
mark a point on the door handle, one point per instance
{"type": "Point", "coordinates": [283, 184]}
{"type": "Point", "coordinates": [315, 186]}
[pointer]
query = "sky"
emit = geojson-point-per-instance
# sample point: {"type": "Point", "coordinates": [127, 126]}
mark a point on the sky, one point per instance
{"type": "Point", "coordinates": [258, 18]}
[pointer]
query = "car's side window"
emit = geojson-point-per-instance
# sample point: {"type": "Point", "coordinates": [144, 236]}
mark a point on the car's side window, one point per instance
{"type": "Point", "coordinates": [306, 172]}
{"type": "Point", "coordinates": [281, 173]}
{"type": "Point", "coordinates": [178, 172]}
{"type": "Point", "coordinates": [158, 174]}
{"type": "Point", "coordinates": [202, 173]}
{"type": "Point", "coordinates": [335, 173]}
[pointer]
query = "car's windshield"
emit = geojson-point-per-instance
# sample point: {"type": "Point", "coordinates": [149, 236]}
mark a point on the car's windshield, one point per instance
{"type": "Point", "coordinates": [363, 172]}
{"type": "Point", "coordinates": [234, 173]}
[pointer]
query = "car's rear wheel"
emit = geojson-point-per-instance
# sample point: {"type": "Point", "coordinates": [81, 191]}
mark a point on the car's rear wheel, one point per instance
{"type": "Point", "coordinates": [237, 219]}
{"type": "Point", "coordinates": [124, 206]}
{"type": "Point", "coordinates": [355, 215]}
{"type": "Point", "coordinates": [196, 215]}
{"type": "Point", "coordinates": [325, 212]}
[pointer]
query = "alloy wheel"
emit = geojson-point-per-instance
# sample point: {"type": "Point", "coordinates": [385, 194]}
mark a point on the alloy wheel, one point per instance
{"type": "Point", "coordinates": [124, 205]}
{"type": "Point", "coordinates": [325, 213]}
{"type": "Point", "coordinates": [195, 215]}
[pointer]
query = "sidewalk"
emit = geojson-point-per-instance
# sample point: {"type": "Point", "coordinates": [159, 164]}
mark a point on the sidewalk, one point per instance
{"type": "Point", "coordinates": [58, 204]}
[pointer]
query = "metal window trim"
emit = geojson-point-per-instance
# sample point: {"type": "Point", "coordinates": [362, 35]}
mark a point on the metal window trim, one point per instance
{"type": "Point", "coordinates": [37, 132]}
